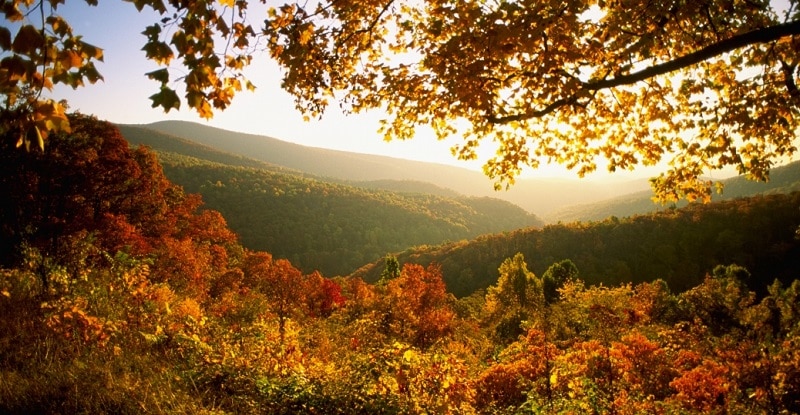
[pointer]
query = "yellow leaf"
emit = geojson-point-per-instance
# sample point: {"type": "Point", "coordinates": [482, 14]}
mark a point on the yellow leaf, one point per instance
{"type": "Point", "coordinates": [226, 3]}
{"type": "Point", "coordinates": [70, 59]}
{"type": "Point", "coordinates": [305, 35]}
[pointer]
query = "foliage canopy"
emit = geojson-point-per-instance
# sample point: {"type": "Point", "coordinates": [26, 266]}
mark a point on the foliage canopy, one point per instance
{"type": "Point", "coordinates": [699, 85]}
{"type": "Point", "coordinates": [127, 297]}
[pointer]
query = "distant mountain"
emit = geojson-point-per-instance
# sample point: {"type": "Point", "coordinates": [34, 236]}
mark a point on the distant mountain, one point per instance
{"type": "Point", "coordinates": [318, 224]}
{"type": "Point", "coordinates": [165, 142]}
{"type": "Point", "coordinates": [539, 196]}
{"type": "Point", "coordinates": [783, 179]}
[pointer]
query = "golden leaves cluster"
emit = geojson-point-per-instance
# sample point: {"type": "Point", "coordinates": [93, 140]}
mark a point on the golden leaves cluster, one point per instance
{"type": "Point", "coordinates": [38, 50]}
{"type": "Point", "coordinates": [214, 43]}
{"type": "Point", "coordinates": [212, 40]}
{"type": "Point", "coordinates": [694, 86]}
{"type": "Point", "coordinates": [615, 84]}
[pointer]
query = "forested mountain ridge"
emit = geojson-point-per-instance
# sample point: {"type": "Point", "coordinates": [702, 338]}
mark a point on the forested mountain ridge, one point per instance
{"type": "Point", "coordinates": [679, 246]}
{"type": "Point", "coordinates": [165, 142]}
{"type": "Point", "coordinates": [539, 196]}
{"type": "Point", "coordinates": [782, 179]}
{"type": "Point", "coordinates": [405, 186]}
{"type": "Point", "coordinates": [334, 228]}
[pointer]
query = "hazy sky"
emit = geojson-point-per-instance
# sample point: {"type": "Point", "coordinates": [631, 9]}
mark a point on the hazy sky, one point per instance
{"type": "Point", "coordinates": [116, 27]}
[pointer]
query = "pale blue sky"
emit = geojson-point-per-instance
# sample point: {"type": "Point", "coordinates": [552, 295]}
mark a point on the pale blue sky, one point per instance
{"type": "Point", "coordinates": [116, 27]}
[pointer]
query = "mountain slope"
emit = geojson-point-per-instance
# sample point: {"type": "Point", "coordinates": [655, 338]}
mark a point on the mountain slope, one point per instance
{"type": "Point", "coordinates": [783, 179]}
{"type": "Point", "coordinates": [334, 228]}
{"type": "Point", "coordinates": [331, 227]}
{"type": "Point", "coordinates": [166, 142]}
{"type": "Point", "coordinates": [539, 196]}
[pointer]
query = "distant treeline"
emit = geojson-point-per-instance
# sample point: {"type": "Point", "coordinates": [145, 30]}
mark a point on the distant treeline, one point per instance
{"type": "Point", "coordinates": [335, 228]}
{"type": "Point", "coordinates": [679, 246]}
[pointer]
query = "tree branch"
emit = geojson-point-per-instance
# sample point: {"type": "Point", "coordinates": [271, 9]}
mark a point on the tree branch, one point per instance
{"type": "Point", "coordinates": [763, 35]}
{"type": "Point", "coordinates": [788, 73]}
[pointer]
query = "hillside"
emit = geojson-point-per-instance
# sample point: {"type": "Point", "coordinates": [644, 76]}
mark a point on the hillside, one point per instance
{"type": "Point", "coordinates": [330, 227]}
{"type": "Point", "coordinates": [783, 179]}
{"type": "Point", "coordinates": [539, 196]}
{"type": "Point", "coordinates": [173, 144]}
{"type": "Point", "coordinates": [120, 294]}
{"type": "Point", "coordinates": [677, 245]}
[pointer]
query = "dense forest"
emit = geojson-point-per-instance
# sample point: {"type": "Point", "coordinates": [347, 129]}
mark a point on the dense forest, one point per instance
{"type": "Point", "coordinates": [121, 294]}
{"type": "Point", "coordinates": [330, 227]}
{"type": "Point", "coordinates": [319, 224]}
{"type": "Point", "coordinates": [678, 246]}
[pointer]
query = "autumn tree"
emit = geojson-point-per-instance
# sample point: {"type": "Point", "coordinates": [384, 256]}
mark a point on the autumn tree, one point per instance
{"type": "Point", "coordinates": [281, 284]}
{"type": "Point", "coordinates": [91, 195]}
{"type": "Point", "coordinates": [515, 297]}
{"type": "Point", "coordinates": [697, 85]}
{"type": "Point", "coordinates": [391, 269]}
{"type": "Point", "coordinates": [323, 295]}
{"type": "Point", "coordinates": [83, 180]}
{"type": "Point", "coordinates": [700, 85]}
{"type": "Point", "coordinates": [555, 277]}
{"type": "Point", "coordinates": [720, 300]}
{"type": "Point", "coordinates": [417, 308]}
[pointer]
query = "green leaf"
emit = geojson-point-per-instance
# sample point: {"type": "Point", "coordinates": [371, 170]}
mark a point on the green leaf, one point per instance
{"type": "Point", "coordinates": [28, 39]}
{"type": "Point", "coordinates": [90, 72]}
{"type": "Point", "coordinates": [16, 68]}
{"type": "Point", "coordinates": [194, 99]}
{"type": "Point", "coordinates": [157, 5]}
{"type": "Point", "coordinates": [158, 51]}
{"type": "Point", "coordinates": [160, 75]}
{"type": "Point", "coordinates": [166, 98]}
{"type": "Point", "coordinates": [139, 4]}
{"type": "Point", "coordinates": [5, 38]}
{"type": "Point", "coordinates": [59, 25]}
{"type": "Point", "coordinates": [90, 51]}
{"type": "Point", "coordinates": [152, 32]}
